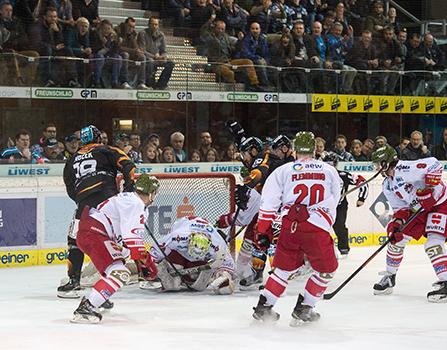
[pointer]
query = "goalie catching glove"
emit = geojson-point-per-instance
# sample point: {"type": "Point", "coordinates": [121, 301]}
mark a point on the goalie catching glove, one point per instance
{"type": "Point", "coordinates": [223, 283]}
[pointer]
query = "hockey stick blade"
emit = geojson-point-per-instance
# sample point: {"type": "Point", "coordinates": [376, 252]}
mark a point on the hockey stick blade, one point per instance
{"type": "Point", "coordinates": [329, 296]}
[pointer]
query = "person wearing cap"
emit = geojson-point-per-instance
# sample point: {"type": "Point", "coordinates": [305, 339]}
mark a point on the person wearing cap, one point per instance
{"type": "Point", "coordinates": [51, 151]}
{"type": "Point", "coordinates": [154, 139]}
{"type": "Point", "coordinates": [110, 233]}
{"type": "Point", "coordinates": [122, 142]}
{"type": "Point", "coordinates": [71, 143]}
{"type": "Point", "coordinates": [305, 193]}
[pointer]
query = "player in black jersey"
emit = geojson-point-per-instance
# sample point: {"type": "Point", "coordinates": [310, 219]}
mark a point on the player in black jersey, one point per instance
{"type": "Point", "coordinates": [90, 178]}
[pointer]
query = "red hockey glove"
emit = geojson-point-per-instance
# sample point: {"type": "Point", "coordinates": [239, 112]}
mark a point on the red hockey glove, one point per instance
{"type": "Point", "coordinates": [225, 221]}
{"type": "Point", "coordinates": [425, 198]}
{"type": "Point", "coordinates": [136, 247]}
{"type": "Point", "coordinates": [393, 230]}
{"type": "Point", "coordinates": [298, 213]}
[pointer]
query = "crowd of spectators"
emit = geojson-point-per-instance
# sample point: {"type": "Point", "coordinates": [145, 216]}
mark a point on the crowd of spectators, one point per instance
{"type": "Point", "coordinates": [150, 148]}
{"type": "Point", "coordinates": [37, 37]}
{"type": "Point", "coordinates": [351, 36]}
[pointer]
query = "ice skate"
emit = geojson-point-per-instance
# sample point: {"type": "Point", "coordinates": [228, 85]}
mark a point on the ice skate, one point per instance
{"type": "Point", "coordinates": [70, 290]}
{"type": "Point", "coordinates": [439, 294]}
{"type": "Point", "coordinates": [106, 306]}
{"type": "Point", "coordinates": [264, 312]}
{"type": "Point", "coordinates": [252, 281]}
{"type": "Point", "coordinates": [85, 313]}
{"type": "Point", "coordinates": [385, 285]}
{"type": "Point", "coordinates": [303, 313]}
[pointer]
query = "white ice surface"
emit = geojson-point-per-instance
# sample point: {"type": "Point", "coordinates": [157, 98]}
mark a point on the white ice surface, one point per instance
{"type": "Point", "coordinates": [31, 317]}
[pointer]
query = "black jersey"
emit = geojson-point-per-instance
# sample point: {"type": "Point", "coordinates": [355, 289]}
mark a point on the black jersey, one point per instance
{"type": "Point", "coordinates": [93, 169]}
{"type": "Point", "coordinates": [355, 180]}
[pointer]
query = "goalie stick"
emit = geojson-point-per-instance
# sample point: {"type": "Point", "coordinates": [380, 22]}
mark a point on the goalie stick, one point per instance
{"type": "Point", "coordinates": [360, 268]}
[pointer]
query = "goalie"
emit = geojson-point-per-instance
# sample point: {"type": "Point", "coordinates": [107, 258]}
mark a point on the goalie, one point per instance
{"type": "Point", "coordinates": [194, 256]}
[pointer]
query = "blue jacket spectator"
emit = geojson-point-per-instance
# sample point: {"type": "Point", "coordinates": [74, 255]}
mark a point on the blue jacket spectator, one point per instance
{"type": "Point", "coordinates": [298, 12]}
{"type": "Point", "coordinates": [234, 16]}
{"type": "Point", "coordinates": [262, 14]}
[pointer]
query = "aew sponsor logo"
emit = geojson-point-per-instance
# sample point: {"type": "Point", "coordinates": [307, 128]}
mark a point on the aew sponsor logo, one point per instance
{"type": "Point", "coordinates": [53, 93]}
{"type": "Point", "coordinates": [301, 166]}
{"type": "Point", "coordinates": [271, 98]}
{"type": "Point", "coordinates": [318, 103]}
{"type": "Point", "coordinates": [335, 103]}
{"type": "Point", "coordinates": [352, 103]}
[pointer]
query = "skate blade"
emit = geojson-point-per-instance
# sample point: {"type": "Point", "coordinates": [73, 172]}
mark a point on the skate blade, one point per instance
{"type": "Point", "coordinates": [269, 320]}
{"type": "Point", "coordinates": [74, 294]}
{"type": "Point", "coordinates": [296, 322]}
{"type": "Point", "coordinates": [437, 299]}
{"type": "Point", "coordinates": [85, 319]}
{"type": "Point", "coordinates": [148, 285]}
{"type": "Point", "coordinates": [387, 291]}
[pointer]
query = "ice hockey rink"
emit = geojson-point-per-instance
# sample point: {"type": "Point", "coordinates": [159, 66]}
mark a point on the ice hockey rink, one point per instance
{"type": "Point", "coordinates": [32, 317]}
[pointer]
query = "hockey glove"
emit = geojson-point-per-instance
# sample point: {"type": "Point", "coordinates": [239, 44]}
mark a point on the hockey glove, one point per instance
{"type": "Point", "coordinates": [425, 198]}
{"type": "Point", "coordinates": [393, 230]}
{"type": "Point", "coordinates": [223, 283]}
{"type": "Point", "coordinates": [262, 240]}
{"type": "Point", "coordinates": [298, 213]}
{"type": "Point", "coordinates": [225, 221]}
{"type": "Point", "coordinates": [242, 196]}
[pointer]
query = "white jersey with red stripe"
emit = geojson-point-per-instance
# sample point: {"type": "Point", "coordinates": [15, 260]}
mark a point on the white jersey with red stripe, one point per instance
{"type": "Point", "coordinates": [307, 181]}
{"type": "Point", "coordinates": [410, 176]}
{"type": "Point", "coordinates": [177, 240]}
{"type": "Point", "coordinates": [123, 217]}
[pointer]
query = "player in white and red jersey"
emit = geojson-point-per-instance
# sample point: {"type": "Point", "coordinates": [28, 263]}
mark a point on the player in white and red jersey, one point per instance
{"type": "Point", "coordinates": [198, 253]}
{"type": "Point", "coordinates": [408, 186]}
{"type": "Point", "coordinates": [107, 234]}
{"type": "Point", "coordinates": [307, 191]}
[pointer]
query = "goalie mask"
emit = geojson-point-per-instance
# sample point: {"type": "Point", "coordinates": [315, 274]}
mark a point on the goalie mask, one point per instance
{"type": "Point", "coordinates": [199, 245]}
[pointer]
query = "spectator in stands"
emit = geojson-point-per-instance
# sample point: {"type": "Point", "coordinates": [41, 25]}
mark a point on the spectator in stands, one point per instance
{"type": "Point", "coordinates": [206, 142]}
{"type": "Point", "coordinates": [340, 148]}
{"type": "Point", "coordinates": [402, 38]}
{"type": "Point", "coordinates": [65, 15]}
{"type": "Point", "coordinates": [391, 59]}
{"type": "Point", "coordinates": [21, 151]}
{"type": "Point", "coordinates": [220, 53]}
{"type": "Point", "coordinates": [364, 56]}
{"type": "Point", "coordinates": [376, 21]}
{"type": "Point", "coordinates": [154, 139]}
{"type": "Point", "coordinates": [403, 143]}
{"type": "Point", "coordinates": [104, 138]}
{"type": "Point", "coordinates": [212, 155]}
{"type": "Point", "coordinates": [368, 148]}
{"type": "Point", "coordinates": [298, 12]}
{"type": "Point", "coordinates": [78, 42]}
{"type": "Point", "coordinates": [20, 71]}
{"type": "Point", "coordinates": [135, 153]}
{"type": "Point", "coordinates": [392, 20]}
{"type": "Point", "coordinates": [440, 151]}
{"type": "Point", "coordinates": [201, 13]}
{"type": "Point", "coordinates": [416, 148]}
{"type": "Point", "coordinates": [340, 17]}
{"type": "Point", "coordinates": [72, 143]}
{"type": "Point", "coordinates": [320, 145]}
{"type": "Point", "coordinates": [234, 16]}
{"type": "Point", "coordinates": [356, 151]}
{"type": "Point", "coordinates": [177, 141]}
{"type": "Point", "coordinates": [327, 23]}
{"type": "Point", "coordinates": [167, 155]}
{"type": "Point", "coordinates": [282, 55]}
{"type": "Point", "coordinates": [313, 11]}
{"type": "Point", "coordinates": [152, 42]}
{"type": "Point", "coordinates": [49, 41]}
{"type": "Point", "coordinates": [280, 16]}
{"type": "Point", "coordinates": [106, 50]}
{"type": "Point", "coordinates": [381, 141]}
{"type": "Point", "coordinates": [433, 54]}
{"type": "Point", "coordinates": [262, 13]}
{"type": "Point", "coordinates": [51, 152]}
{"type": "Point", "coordinates": [122, 142]}
{"type": "Point", "coordinates": [195, 156]}
{"type": "Point", "coordinates": [131, 50]}
{"type": "Point", "coordinates": [255, 48]}
{"type": "Point", "coordinates": [415, 60]}
{"type": "Point", "coordinates": [180, 10]}
{"type": "Point", "coordinates": [338, 46]}
{"type": "Point", "coordinates": [150, 154]}
{"type": "Point", "coordinates": [49, 132]}
{"type": "Point", "coordinates": [231, 154]}
{"type": "Point", "coordinates": [88, 9]}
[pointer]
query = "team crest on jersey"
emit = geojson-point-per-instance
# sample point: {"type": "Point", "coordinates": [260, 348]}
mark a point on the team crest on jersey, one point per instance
{"type": "Point", "coordinates": [408, 188]}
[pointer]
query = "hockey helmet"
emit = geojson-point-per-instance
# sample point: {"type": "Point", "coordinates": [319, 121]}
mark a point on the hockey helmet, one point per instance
{"type": "Point", "coordinates": [90, 134]}
{"type": "Point", "coordinates": [249, 143]}
{"type": "Point", "coordinates": [385, 157]}
{"type": "Point", "coordinates": [147, 184]}
{"type": "Point", "coordinates": [304, 142]}
{"type": "Point", "coordinates": [198, 245]}
{"type": "Point", "coordinates": [331, 158]}
{"type": "Point", "coordinates": [281, 140]}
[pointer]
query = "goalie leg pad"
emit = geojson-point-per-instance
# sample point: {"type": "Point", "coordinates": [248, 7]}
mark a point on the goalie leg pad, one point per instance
{"type": "Point", "coordinates": [168, 281]}
{"type": "Point", "coordinates": [202, 281]}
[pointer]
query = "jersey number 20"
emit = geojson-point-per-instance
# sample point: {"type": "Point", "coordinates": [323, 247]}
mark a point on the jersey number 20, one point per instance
{"type": "Point", "coordinates": [315, 193]}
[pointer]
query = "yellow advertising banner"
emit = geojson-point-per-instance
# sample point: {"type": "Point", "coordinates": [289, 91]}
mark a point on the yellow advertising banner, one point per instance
{"type": "Point", "coordinates": [379, 104]}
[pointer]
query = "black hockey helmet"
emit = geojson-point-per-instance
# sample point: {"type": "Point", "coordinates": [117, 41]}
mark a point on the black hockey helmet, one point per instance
{"type": "Point", "coordinates": [279, 141]}
{"type": "Point", "coordinates": [90, 134]}
{"type": "Point", "coordinates": [249, 143]}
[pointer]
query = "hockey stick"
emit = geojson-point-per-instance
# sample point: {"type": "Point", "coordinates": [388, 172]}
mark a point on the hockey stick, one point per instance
{"type": "Point", "coordinates": [233, 224]}
{"type": "Point", "coordinates": [384, 244]}
{"type": "Point", "coordinates": [362, 184]}
{"type": "Point", "coordinates": [166, 258]}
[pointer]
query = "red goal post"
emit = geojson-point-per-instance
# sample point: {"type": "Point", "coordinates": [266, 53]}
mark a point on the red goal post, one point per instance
{"type": "Point", "coordinates": [207, 195]}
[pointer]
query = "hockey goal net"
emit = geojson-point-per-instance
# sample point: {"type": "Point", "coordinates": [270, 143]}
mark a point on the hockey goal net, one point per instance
{"type": "Point", "coordinates": [207, 195]}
